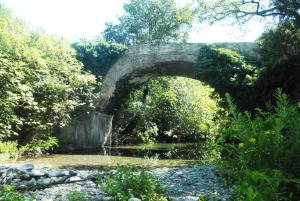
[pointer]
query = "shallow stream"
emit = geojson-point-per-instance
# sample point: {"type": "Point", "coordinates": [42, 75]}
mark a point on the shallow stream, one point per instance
{"type": "Point", "coordinates": [149, 156]}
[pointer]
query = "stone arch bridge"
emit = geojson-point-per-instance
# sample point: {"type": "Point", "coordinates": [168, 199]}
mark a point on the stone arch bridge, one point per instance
{"type": "Point", "coordinates": [135, 66]}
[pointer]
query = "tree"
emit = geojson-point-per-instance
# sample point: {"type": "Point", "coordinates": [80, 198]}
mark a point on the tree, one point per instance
{"type": "Point", "coordinates": [151, 22]}
{"type": "Point", "coordinates": [280, 45]}
{"type": "Point", "coordinates": [244, 10]}
{"type": "Point", "coordinates": [42, 85]}
{"type": "Point", "coordinates": [280, 54]}
{"type": "Point", "coordinates": [175, 109]}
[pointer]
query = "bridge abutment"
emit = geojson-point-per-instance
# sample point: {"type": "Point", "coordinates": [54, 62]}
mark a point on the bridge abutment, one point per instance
{"type": "Point", "coordinates": [92, 132]}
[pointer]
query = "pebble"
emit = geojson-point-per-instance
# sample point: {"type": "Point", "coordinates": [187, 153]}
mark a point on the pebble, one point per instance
{"type": "Point", "coordinates": [61, 192]}
{"type": "Point", "coordinates": [188, 183]}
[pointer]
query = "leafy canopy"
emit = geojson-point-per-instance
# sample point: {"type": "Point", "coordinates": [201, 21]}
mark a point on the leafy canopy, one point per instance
{"type": "Point", "coordinates": [281, 44]}
{"type": "Point", "coordinates": [42, 85]}
{"type": "Point", "coordinates": [223, 67]}
{"type": "Point", "coordinates": [98, 55]}
{"type": "Point", "coordinates": [168, 109]}
{"type": "Point", "coordinates": [244, 10]}
{"type": "Point", "coordinates": [151, 22]}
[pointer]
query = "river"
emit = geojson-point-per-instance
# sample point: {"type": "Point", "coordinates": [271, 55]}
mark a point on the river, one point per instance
{"type": "Point", "coordinates": [150, 156]}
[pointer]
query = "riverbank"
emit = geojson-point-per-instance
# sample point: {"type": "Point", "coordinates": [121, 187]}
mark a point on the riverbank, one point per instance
{"type": "Point", "coordinates": [47, 184]}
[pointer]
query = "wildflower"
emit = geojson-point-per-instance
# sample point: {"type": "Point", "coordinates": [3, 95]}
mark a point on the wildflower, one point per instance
{"type": "Point", "coordinates": [252, 140]}
{"type": "Point", "coordinates": [241, 145]}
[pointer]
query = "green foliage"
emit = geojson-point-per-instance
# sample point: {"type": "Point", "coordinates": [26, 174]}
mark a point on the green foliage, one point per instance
{"type": "Point", "coordinates": [9, 193]}
{"type": "Point", "coordinates": [33, 148]}
{"type": "Point", "coordinates": [169, 109]}
{"type": "Point", "coordinates": [257, 185]}
{"type": "Point", "coordinates": [151, 22]}
{"type": "Point", "coordinates": [280, 45]}
{"type": "Point", "coordinates": [42, 85]}
{"type": "Point", "coordinates": [209, 197]}
{"type": "Point", "coordinates": [148, 132]}
{"type": "Point", "coordinates": [222, 67]}
{"type": "Point", "coordinates": [97, 56]}
{"type": "Point", "coordinates": [261, 152]}
{"type": "Point", "coordinates": [126, 183]}
{"type": "Point", "coordinates": [77, 196]}
{"type": "Point", "coordinates": [244, 11]}
{"type": "Point", "coordinates": [39, 146]}
{"type": "Point", "coordinates": [10, 149]}
{"type": "Point", "coordinates": [280, 54]}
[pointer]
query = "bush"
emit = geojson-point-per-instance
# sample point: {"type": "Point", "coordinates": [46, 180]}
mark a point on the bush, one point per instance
{"type": "Point", "coordinates": [9, 193]}
{"type": "Point", "coordinates": [10, 149]}
{"type": "Point", "coordinates": [33, 148]}
{"type": "Point", "coordinates": [260, 186]}
{"type": "Point", "coordinates": [39, 146]}
{"type": "Point", "coordinates": [77, 196]}
{"type": "Point", "coordinates": [169, 110]}
{"type": "Point", "coordinates": [126, 183]}
{"type": "Point", "coordinates": [261, 153]}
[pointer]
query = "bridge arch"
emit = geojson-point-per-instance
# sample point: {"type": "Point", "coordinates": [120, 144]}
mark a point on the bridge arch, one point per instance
{"type": "Point", "coordinates": [143, 62]}
{"type": "Point", "coordinates": [136, 66]}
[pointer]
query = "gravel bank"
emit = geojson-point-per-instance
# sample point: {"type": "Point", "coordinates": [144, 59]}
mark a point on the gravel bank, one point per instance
{"type": "Point", "coordinates": [182, 183]}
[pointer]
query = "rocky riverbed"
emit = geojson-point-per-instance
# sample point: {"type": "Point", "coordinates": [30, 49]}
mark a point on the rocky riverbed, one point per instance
{"type": "Point", "coordinates": [182, 183]}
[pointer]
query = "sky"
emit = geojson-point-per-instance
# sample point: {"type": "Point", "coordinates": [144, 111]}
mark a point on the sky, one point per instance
{"type": "Point", "coordinates": [75, 19]}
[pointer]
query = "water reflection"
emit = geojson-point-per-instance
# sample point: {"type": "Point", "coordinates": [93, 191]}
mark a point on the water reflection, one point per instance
{"type": "Point", "coordinates": [156, 155]}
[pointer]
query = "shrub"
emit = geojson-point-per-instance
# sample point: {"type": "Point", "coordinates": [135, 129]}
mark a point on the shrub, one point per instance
{"type": "Point", "coordinates": [77, 196]}
{"type": "Point", "coordinates": [126, 183]}
{"type": "Point", "coordinates": [9, 193]}
{"type": "Point", "coordinates": [261, 152]}
{"type": "Point", "coordinates": [10, 149]}
{"type": "Point", "coordinates": [169, 109]}
{"type": "Point", "coordinates": [39, 146]}
{"type": "Point", "coordinates": [33, 148]}
{"type": "Point", "coordinates": [258, 185]}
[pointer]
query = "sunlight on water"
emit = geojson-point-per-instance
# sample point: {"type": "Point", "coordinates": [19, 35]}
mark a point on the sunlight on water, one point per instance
{"type": "Point", "coordinates": [96, 161]}
{"type": "Point", "coordinates": [148, 156]}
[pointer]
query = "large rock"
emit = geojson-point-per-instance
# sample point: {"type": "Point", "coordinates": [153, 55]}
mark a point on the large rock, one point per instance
{"type": "Point", "coordinates": [74, 179]}
{"type": "Point", "coordinates": [58, 180]}
{"type": "Point", "coordinates": [24, 167]}
{"type": "Point", "coordinates": [32, 182]}
{"type": "Point", "coordinates": [37, 173]}
{"type": "Point", "coordinates": [43, 181]}
{"type": "Point", "coordinates": [134, 199]}
{"type": "Point", "coordinates": [58, 173]}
